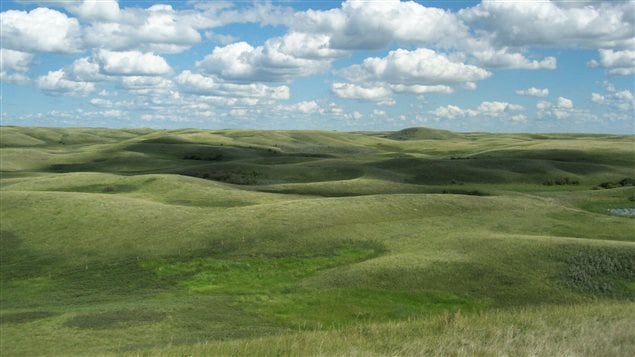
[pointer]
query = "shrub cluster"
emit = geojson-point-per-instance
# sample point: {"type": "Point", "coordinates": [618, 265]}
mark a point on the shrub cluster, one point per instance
{"type": "Point", "coordinates": [238, 178]}
{"type": "Point", "coordinates": [627, 181]}
{"type": "Point", "coordinates": [216, 157]}
{"type": "Point", "coordinates": [599, 271]}
{"type": "Point", "coordinates": [465, 192]}
{"type": "Point", "coordinates": [561, 182]}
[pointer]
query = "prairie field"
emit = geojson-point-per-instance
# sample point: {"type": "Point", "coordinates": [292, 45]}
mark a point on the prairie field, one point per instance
{"type": "Point", "coordinates": [143, 242]}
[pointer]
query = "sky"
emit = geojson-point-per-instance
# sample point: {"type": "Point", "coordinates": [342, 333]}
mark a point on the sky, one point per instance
{"type": "Point", "coordinates": [357, 65]}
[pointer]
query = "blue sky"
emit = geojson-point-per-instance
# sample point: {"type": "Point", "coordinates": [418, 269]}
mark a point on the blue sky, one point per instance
{"type": "Point", "coordinates": [499, 66]}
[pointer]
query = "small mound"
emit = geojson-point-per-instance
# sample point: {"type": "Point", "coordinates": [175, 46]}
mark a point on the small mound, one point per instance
{"type": "Point", "coordinates": [422, 134]}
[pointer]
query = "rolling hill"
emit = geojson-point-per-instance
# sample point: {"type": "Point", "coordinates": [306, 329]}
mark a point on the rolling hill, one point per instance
{"type": "Point", "coordinates": [238, 242]}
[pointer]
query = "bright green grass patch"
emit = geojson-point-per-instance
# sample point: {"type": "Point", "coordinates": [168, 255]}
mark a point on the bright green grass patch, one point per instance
{"type": "Point", "coordinates": [273, 287]}
{"type": "Point", "coordinates": [243, 275]}
{"type": "Point", "coordinates": [331, 308]}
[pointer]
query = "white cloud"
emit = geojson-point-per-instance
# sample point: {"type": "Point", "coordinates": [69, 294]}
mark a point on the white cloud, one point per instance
{"type": "Point", "coordinates": [421, 89]}
{"type": "Point", "coordinates": [132, 63]}
{"type": "Point", "coordinates": [353, 91]}
{"type": "Point", "coordinates": [56, 83]}
{"type": "Point", "coordinates": [378, 113]}
{"type": "Point", "coordinates": [452, 111]}
{"type": "Point", "coordinates": [421, 67]}
{"type": "Point", "coordinates": [549, 23]}
{"type": "Point", "coordinates": [563, 108]}
{"type": "Point", "coordinates": [565, 103]}
{"type": "Point", "coordinates": [40, 30]}
{"type": "Point", "coordinates": [158, 28]}
{"type": "Point", "coordinates": [373, 25]}
{"type": "Point", "coordinates": [14, 77]}
{"type": "Point", "coordinates": [268, 63]}
{"type": "Point", "coordinates": [519, 118]}
{"type": "Point", "coordinates": [95, 10]}
{"type": "Point", "coordinates": [238, 112]}
{"type": "Point", "coordinates": [618, 62]}
{"type": "Point", "coordinates": [597, 98]}
{"type": "Point", "coordinates": [419, 71]}
{"type": "Point", "coordinates": [85, 69]}
{"type": "Point", "coordinates": [304, 45]}
{"type": "Point", "coordinates": [209, 85]}
{"type": "Point", "coordinates": [107, 103]}
{"type": "Point", "coordinates": [308, 106]}
{"type": "Point", "coordinates": [622, 100]}
{"type": "Point", "coordinates": [17, 61]}
{"type": "Point", "coordinates": [144, 82]}
{"type": "Point", "coordinates": [497, 109]}
{"type": "Point", "coordinates": [533, 92]}
{"type": "Point", "coordinates": [501, 58]}
{"type": "Point", "coordinates": [543, 105]}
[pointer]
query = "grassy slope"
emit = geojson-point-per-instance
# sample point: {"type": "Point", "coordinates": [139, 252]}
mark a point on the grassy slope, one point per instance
{"type": "Point", "coordinates": [116, 240]}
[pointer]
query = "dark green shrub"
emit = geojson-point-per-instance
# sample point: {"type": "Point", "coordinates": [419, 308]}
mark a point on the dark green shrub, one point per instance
{"type": "Point", "coordinates": [608, 185]}
{"type": "Point", "coordinates": [561, 182]}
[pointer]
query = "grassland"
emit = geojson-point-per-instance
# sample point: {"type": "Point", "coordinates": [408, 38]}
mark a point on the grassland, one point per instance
{"type": "Point", "coordinates": [234, 242]}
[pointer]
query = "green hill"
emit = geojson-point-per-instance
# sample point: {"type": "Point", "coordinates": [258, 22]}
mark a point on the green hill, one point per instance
{"type": "Point", "coordinates": [423, 134]}
{"type": "Point", "coordinates": [141, 242]}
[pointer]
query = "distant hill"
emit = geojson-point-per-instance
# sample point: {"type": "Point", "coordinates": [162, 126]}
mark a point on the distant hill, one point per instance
{"type": "Point", "coordinates": [423, 134]}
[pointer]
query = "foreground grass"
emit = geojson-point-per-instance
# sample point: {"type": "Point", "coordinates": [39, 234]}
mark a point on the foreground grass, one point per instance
{"type": "Point", "coordinates": [591, 330]}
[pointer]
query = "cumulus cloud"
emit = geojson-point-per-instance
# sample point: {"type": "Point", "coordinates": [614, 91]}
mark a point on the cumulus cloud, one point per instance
{"type": "Point", "coordinates": [162, 29]}
{"type": "Point", "coordinates": [95, 10]}
{"type": "Point", "coordinates": [372, 25]}
{"type": "Point", "coordinates": [305, 107]}
{"type": "Point", "coordinates": [85, 69]}
{"type": "Point", "coordinates": [242, 62]}
{"type": "Point", "coordinates": [421, 66]}
{"type": "Point", "coordinates": [14, 77]}
{"type": "Point", "coordinates": [565, 103]}
{"type": "Point", "coordinates": [452, 111]}
{"type": "Point", "coordinates": [419, 71]}
{"type": "Point", "coordinates": [617, 62]}
{"type": "Point", "coordinates": [562, 108]}
{"type": "Point", "coordinates": [57, 83]}
{"type": "Point", "coordinates": [357, 115]}
{"type": "Point", "coordinates": [533, 92]}
{"type": "Point", "coordinates": [17, 61]}
{"type": "Point", "coordinates": [196, 83]}
{"type": "Point", "coordinates": [158, 28]}
{"type": "Point", "coordinates": [550, 23]}
{"type": "Point", "coordinates": [40, 30]}
{"type": "Point", "coordinates": [496, 108]}
{"type": "Point", "coordinates": [486, 108]}
{"type": "Point", "coordinates": [132, 63]}
{"type": "Point", "coordinates": [305, 45]}
{"type": "Point", "coordinates": [501, 58]}
{"type": "Point", "coordinates": [353, 91]}
{"type": "Point", "coordinates": [157, 89]}
{"type": "Point", "coordinates": [622, 100]}
{"type": "Point", "coordinates": [421, 89]}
